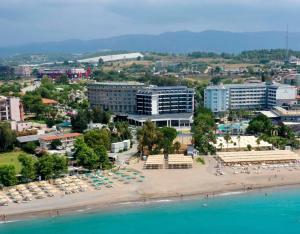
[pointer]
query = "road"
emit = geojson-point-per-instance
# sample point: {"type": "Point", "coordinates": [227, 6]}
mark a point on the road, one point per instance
{"type": "Point", "coordinates": [124, 156]}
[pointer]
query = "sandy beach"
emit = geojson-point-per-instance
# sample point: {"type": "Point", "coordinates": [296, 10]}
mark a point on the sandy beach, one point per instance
{"type": "Point", "coordinates": [159, 184]}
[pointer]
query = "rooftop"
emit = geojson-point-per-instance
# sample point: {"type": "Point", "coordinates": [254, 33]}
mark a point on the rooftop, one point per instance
{"type": "Point", "coordinates": [60, 136]}
{"type": "Point", "coordinates": [118, 83]}
{"type": "Point", "coordinates": [165, 89]}
{"type": "Point", "coordinates": [283, 112]}
{"type": "Point", "coordinates": [258, 156]}
{"type": "Point", "coordinates": [177, 159]}
{"type": "Point", "coordinates": [47, 101]}
{"type": "Point", "coordinates": [111, 58]}
{"type": "Point", "coordinates": [177, 116]}
{"type": "Point", "coordinates": [30, 138]}
{"type": "Point", "coordinates": [248, 85]}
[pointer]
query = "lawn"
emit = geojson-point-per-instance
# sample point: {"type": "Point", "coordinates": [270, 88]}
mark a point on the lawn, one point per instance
{"type": "Point", "coordinates": [11, 158]}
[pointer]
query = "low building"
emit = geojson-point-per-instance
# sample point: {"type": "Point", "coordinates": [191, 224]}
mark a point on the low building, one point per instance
{"type": "Point", "coordinates": [180, 120]}
{"type": "Point", "coordinates": [67, 140]}
{"type": "Point", "coordinates": [34, 138]}
{"type": "Point", "coordinates": [23, 71]}
{"type": "Point", "coordinates": [111, 58]}
{"type": "Point", "coordinates": [286, 115]}
{"type": "Point", "coordinates": [120, 146]}
{"type": "Point", "coordinates": [26, 126]}
{"type": "Point", "coordinates": [11, 108]}
{"type": "Point", "coordinates": [56, 72]}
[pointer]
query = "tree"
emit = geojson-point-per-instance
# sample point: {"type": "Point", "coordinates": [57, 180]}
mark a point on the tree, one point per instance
{"type": "Point", "coordinates": [28, 167]}
{"type": "Point", "coordinates": [80, 121]}
{"type": "Point", "coordinates": [123, 131]}
{"type": "Point", "coordinates": [260, 124]}
{"type": "Point", "coordinates": [100, 116]}
{"type": "Point", "coordinates": [258, 143]}
{"type": "Point", "coordinates": [239, 140]}
{"type": "Point", "coordinates": [87, 158]}
{"type": "Point", "coordinates": [8, 175]}
{"type": "Point", "coordinates": [7, 137]}
{"type": "Point", "coordinates": [221, 145]}
{"type": "Point", "coordinates": [203, 139]}
{"type": "Point", "coordinates": [177, 146]}
{"type": "Point", "coordinates": [227, 138]}
{"type": "Point", "coordinates": [55, 144]}
{"type": "Point", "coordinates": [147, 136]}
{"type": "Point", "coordinates": [30, 147]}
{"type": "Point", "coordinates": [204, 131]}
{"type": "Point", "coordinates": [63, 79]}
{"type": "Point", "coordinates": [60, 164]}
{"type": "Point", "coordinates": [96, 137]}
{"type": "Point", "coordinates": [249, 147]}
{"type": "Point", "coordinates": [166, 138]}
{"type": "Point", "coordinates": [33, 103]}
{"type": "Point", "coordinates": [97, 115]}
{"type": "Point", "coordinates": [51, 166]}
{"type": "Point", "coordinates": [101, 152]}
{"type": "Point", "coordinates": [216, 80]}
{"type": "Point", "coordinates": [100, 62]}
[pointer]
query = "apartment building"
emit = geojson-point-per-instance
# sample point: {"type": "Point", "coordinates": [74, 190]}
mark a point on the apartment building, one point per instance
{"type": "Point", "coordinates": [11, 108]}
{"type": "Point", "coordinates": [118, 97]}
{"type": "Point", "coordinates": [257, 96]}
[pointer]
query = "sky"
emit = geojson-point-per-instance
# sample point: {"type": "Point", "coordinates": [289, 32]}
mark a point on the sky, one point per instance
{"type": "Point", "coordinates": [26, 21]}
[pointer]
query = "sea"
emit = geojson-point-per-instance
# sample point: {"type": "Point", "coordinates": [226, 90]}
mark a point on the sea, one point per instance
{"type": "Point", "coordinates": [265, 211]}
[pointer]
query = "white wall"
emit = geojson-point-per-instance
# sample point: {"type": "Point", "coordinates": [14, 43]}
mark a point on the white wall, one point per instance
{"type": "Point", "coordinates": [14, 106]}
{"type": "Point", "coordinates": [155, 105]}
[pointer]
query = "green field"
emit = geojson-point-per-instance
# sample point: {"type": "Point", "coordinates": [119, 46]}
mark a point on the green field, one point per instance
{"type": "Point", "coordinates": [11, 158]}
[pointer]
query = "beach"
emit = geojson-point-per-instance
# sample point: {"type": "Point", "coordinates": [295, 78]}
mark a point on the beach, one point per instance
{"type": "Point", "coordinates": [158, 184]}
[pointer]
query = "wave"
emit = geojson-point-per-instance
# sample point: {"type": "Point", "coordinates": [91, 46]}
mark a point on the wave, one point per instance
{"type": "Point", "coordinates": [230, 193]}
{"type": "Point", "coordinates": [146, 202]}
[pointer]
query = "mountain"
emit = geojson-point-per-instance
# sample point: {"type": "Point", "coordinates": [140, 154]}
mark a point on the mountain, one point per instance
{"type": "Point", "coordinates": [172, 42]}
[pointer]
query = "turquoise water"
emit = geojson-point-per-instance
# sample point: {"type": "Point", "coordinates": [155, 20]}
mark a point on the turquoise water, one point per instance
{"type": "Point", "coordinates": [276, 212]}
{"type": "Point", "coordinates": [234, 127]}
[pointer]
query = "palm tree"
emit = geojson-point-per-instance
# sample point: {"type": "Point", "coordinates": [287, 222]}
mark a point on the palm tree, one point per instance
{"type": "Point", "coordinates": [221, 145]}
{"type": "Point", "coordinates": [239, 141]}
{"type": "Point", "coordinates": [148, 136]}
{"type": "Point", "coordinates": [177, 146]}
{"type": "Point", "coordinates": [258, 142]}
{"type": "Point", "coordinates": [227, 138]}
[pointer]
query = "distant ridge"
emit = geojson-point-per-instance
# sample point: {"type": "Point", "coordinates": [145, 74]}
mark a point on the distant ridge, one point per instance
{"type": "Point", "coordinates": [171, 42]}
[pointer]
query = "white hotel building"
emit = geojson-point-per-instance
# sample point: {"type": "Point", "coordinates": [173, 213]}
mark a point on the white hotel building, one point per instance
{"type": "Point", "coordinates": [221, 98]}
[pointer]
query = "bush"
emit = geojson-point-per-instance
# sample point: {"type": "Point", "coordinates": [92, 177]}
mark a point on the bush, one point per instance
{"type": "Point", "coordinates": [200, 160]}
{"type": "Point", "coordinates": [30, 147]}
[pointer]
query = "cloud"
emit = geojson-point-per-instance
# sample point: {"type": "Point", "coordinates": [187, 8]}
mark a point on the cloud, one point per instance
{"type": "Point", "coordinates": [23, 21]}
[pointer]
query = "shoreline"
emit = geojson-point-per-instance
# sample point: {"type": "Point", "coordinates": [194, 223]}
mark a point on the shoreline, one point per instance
{"type": "Point", "coordinates": [136, 201]}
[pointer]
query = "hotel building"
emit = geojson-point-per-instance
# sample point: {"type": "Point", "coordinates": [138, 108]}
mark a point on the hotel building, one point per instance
{"type": "Point", "coordinates": [222, 98]}
{"type": "Point", "coordinates": [166, 106]}
{"type": "Point", "coordinates": [165, 100]}
{"type": "Point", "coordinates": [117, 97]}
